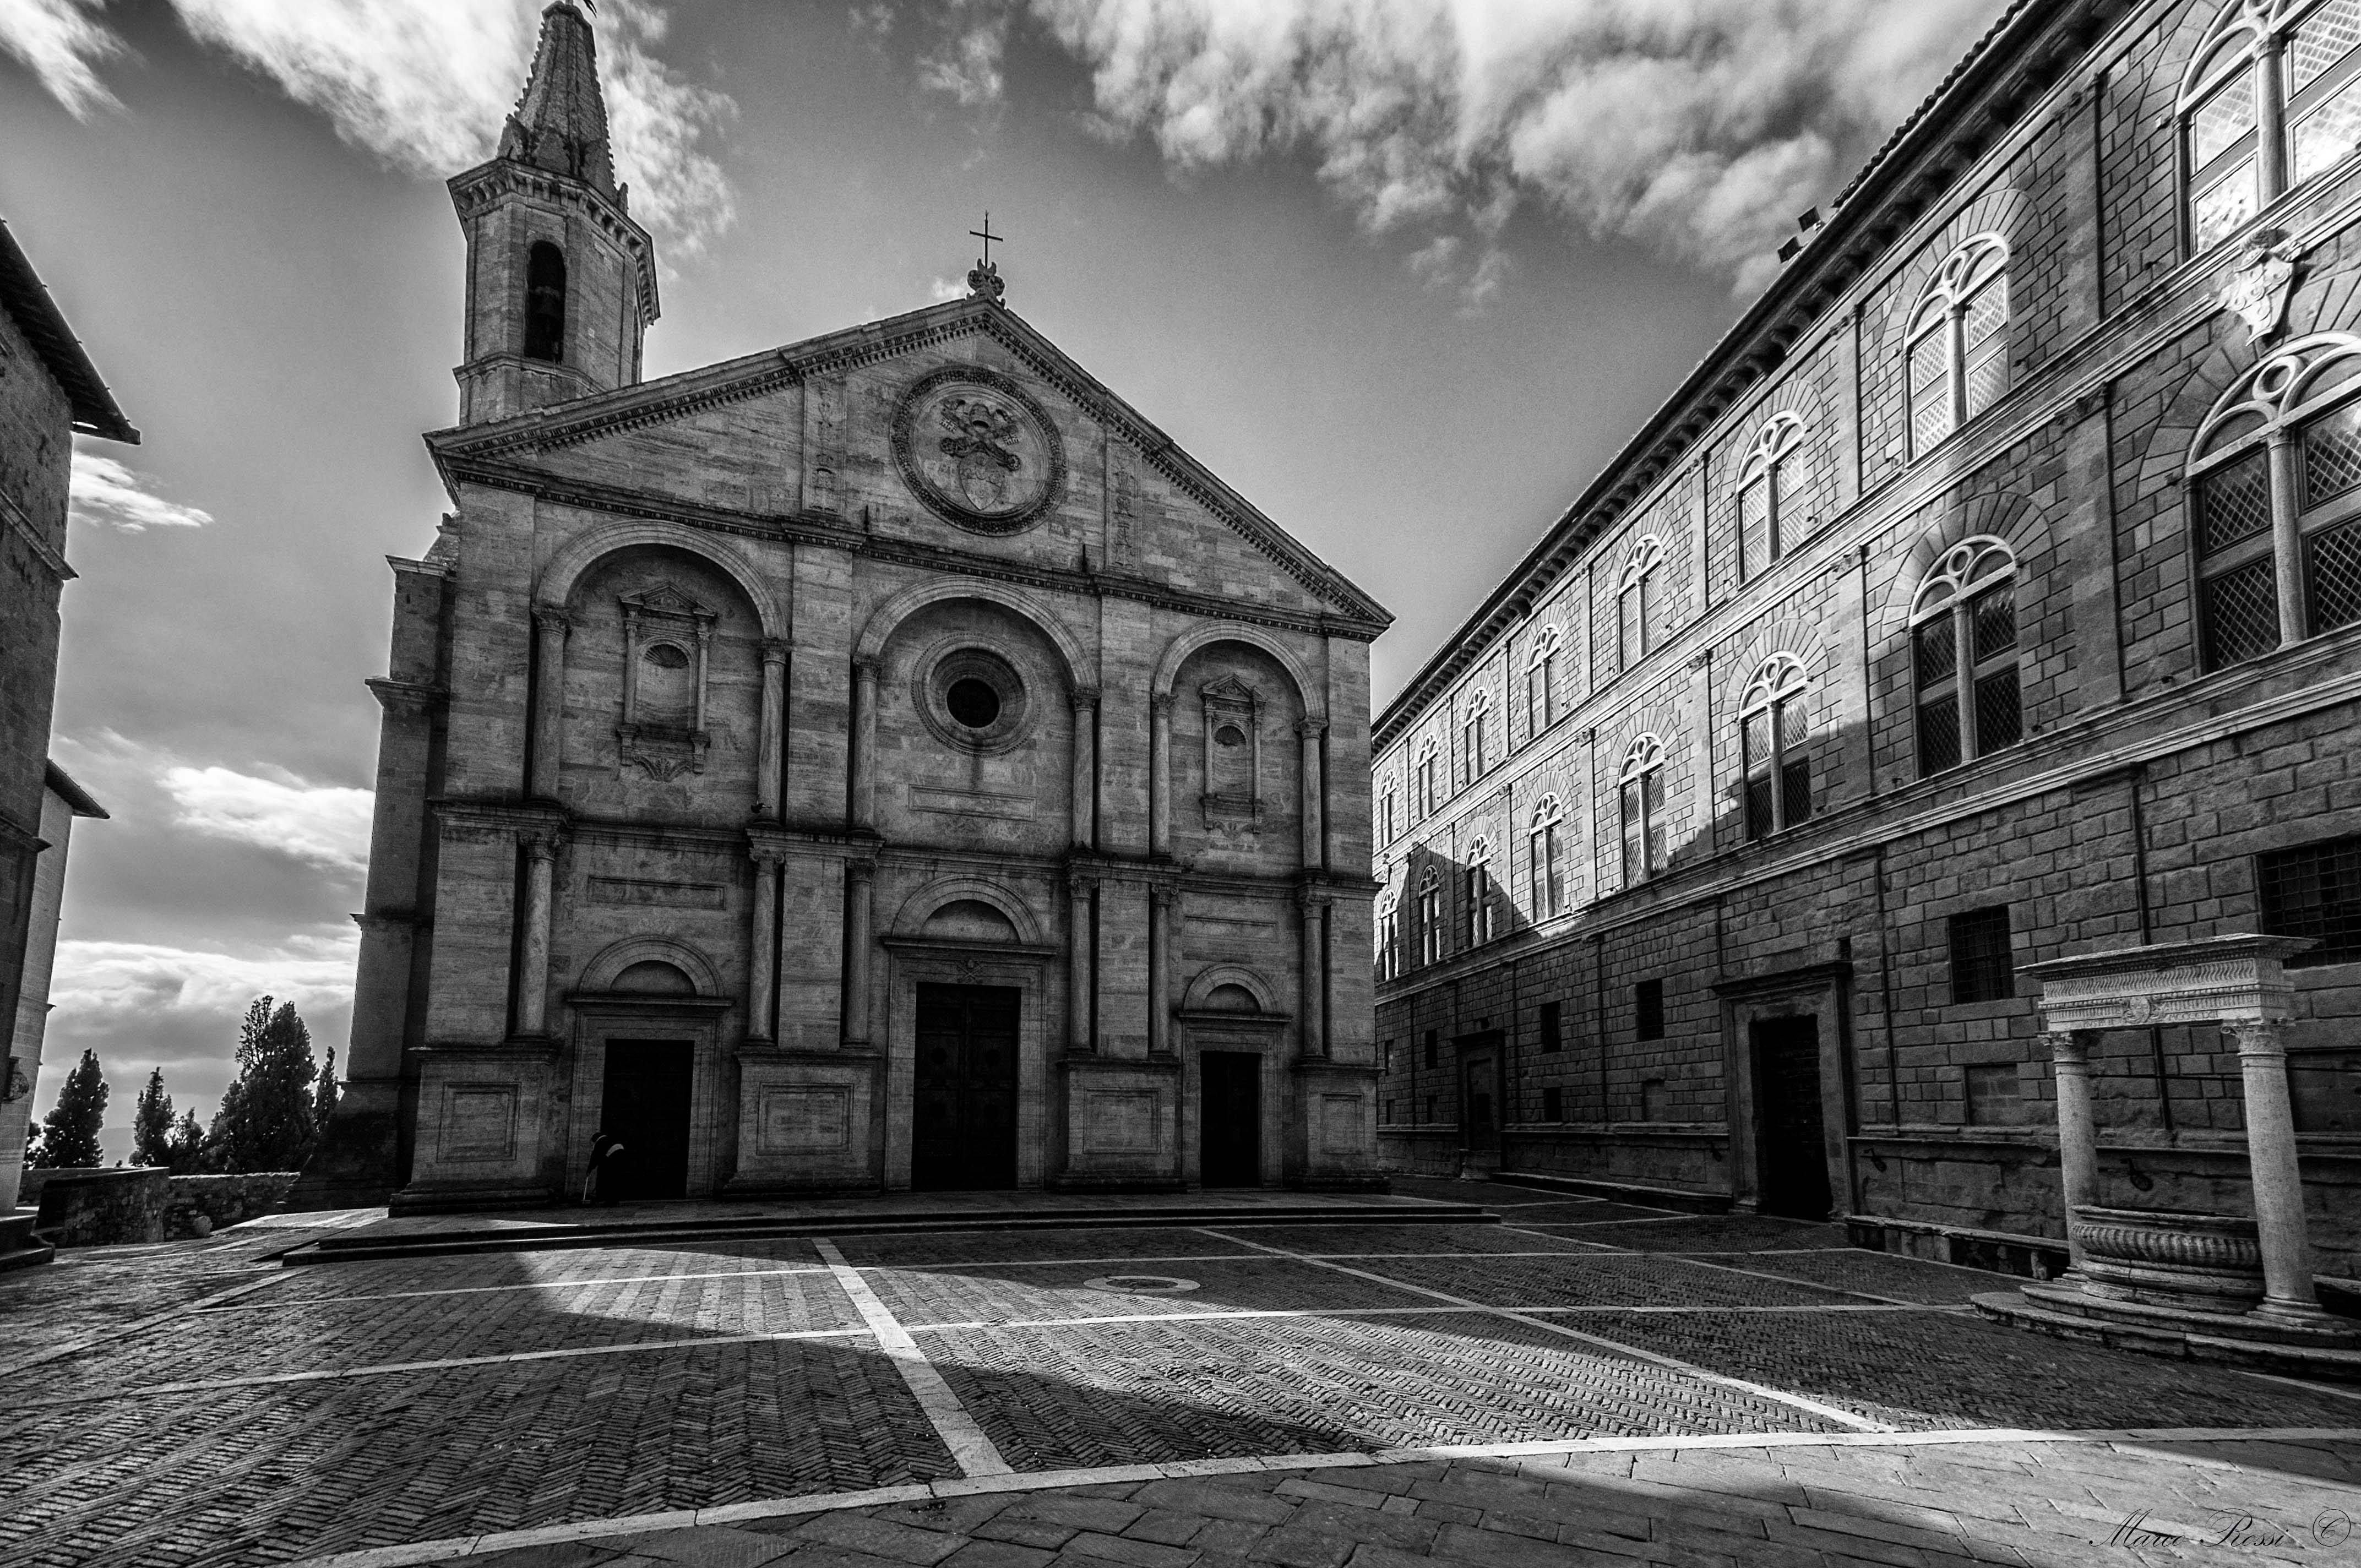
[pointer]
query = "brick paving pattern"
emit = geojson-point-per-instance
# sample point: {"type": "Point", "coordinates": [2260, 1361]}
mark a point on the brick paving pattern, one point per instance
{"type": "Point", "coordinates": [605, 1391]}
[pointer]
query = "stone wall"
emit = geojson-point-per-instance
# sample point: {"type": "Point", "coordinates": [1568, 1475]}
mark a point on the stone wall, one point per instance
{"type": "Point", "coordinates": [193, 1205]}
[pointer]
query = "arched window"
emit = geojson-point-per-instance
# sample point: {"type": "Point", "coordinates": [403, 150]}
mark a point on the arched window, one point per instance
{"type": "Point", "coordinates": [1541, 682]}
{"type": "Point", "coordinates": [1480, 922]}
{"type": "Point", "coordinates": [1963, 652]}
{"type": "Point", "coordinates": [1473, 760]}
{"type": "Point", "coordinates": [1641, 783]}
{"type": "Point", "coordinates": [1763, 532]}
{"type": "Point", "coordinates": [1424, 792]}
{"type": "Point", "coordinates": [1386, 817]}
{"type": "Point", "coordinates": [1548, 863]}
{"type": "Point", "coordinates": [1772, 732]}
{"type": "Point", "coordinates": [2274, 495]}
{"type": "Point", "coordinates": [1633, 595]}
{"type": "Point", "coordinates": [545, 303]}
{"type": "Point", "coordinates": [1388, 939]}
{"type": "Point", "coordinates": [1958, 350]}
{"type": "Point", "coordinates": [1430, 917]}
{"type": "Point", "coordinates": [2269, 101]}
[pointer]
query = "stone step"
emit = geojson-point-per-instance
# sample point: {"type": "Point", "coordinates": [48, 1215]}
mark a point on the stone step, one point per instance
{"type": "Point", "coordinates": [2325, 1362]}
{"type": "Point", "coordinates": [19, 1248]}
{"type": "Point", "coordinates": [474, 1236]}
{"type": "Point", "coordinates": [2060, 1297]}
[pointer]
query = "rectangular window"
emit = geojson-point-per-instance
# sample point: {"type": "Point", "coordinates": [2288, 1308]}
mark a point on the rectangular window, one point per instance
{"type": "Point", "coordinates": [1754, 741]}
{"type": "Point", "coordinates": [2315, 890]}
{"type": "Point", "coordinates": [1980, 967]}
{"type": "Point", "coordinates": [1795, 764]}
{"type": "Point", "coordinates": [2223, 120]}
{"type": "Point", "coordinates": [1551, 1040]}
{"type": "Point", "coordinates": [2224, 204]}
{"type": "Point", "coordinates": [1986, 344]}
{"type": "Point", "coordinates": [1631, 628]}
{"type": "Point", "coordinates": [1754, 526]}
{"type": "Point", "coordinates": [1648, 1004]}
{"type": "Point", "coordinates": [1655, 1104]}
{"type": "Point", "coordinates": [2326, 136]}
{"type": "Point", "coordinates": [2333, 567]}
{"type": "Point", "coordinates": [1430, 1108]}
{"type": "Point", "coordinates": [1930, 391]}
{"type": "Point", "coordinates": [1552, 1105]}
{"type": "Point", "coordinates": [1635, 830]}
{"type": "Point", "coordinates": [1390, 1113]}
{"type": "Point", "coordinates": [2234, 502]}
{"type": "Point", "coordinates": [1430, 1047]}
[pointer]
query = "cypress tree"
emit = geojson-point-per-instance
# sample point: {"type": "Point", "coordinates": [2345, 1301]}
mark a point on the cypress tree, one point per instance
{"type": "Point", "coordinates": [151, 1123]}
{"type": "Point", "coordinates": [265, 1122]}
{"type": "Point", "coordinates": [69, 1132]}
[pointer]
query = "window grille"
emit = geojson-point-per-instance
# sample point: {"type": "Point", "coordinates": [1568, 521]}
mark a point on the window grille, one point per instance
{"type": "Point", "coordinates": [1634, 601]}
{"type": "Point", "coordinates": [1642, 799]}
{"type": "Point", "coordinates": [2285, 437]}
{"type": "Point", "coordinates": [1964, 655]}
{"type": "Point", "coordinates": [1472, 757]}
{"type": "Point", "coordinates": [1548, 875]}
{"type": "Point", "coordinates": [2314, 891]}
{"type": "Point", "coordinates": [1479, 894]}
{"type": "Point", "coordinates": [1429, 919]}
{"type": "Point", "coordinates": [1957, 345]}
{"type": "Point", "coordinates": [1980, 967]}
{"type": "Point", "coordinates": [1648, 1009]}
{"type": "Point", "coordinates": [2284, 69]}
{"type": "Point", "coordinates": [1763, 533]}
{"type": "Point", "coordinates": [1541, 682]}
{"type": "Point", "coordinates": [1771, 734]}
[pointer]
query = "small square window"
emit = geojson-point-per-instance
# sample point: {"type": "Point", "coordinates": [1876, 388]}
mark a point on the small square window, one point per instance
{"type": "Point", "coordinates": [1995, 1096]}
{"type": "Point", "coordinates": [1655, 1104]}
{"type": "Point", "coordinates": [1981, 969]}
{"type": "Point", "coordinates": [1648, 1000]}
{"type": "Point", "coordinates": [1551, 1038]}
{"type": "Point", "coordinates": [1552, 1104]}
{"type": "Point", "coordinates": [2315, 890]}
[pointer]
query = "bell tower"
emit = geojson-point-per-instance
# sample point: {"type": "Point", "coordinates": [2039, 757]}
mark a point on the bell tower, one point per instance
{"type": "Point", "coordinates": [561, 282]}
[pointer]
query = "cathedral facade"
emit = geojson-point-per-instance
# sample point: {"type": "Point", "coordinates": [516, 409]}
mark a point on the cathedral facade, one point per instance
{"type": "Point", "coordinates": [1989, 595]}
{"type": "Point", "coordinates": [878, 762]}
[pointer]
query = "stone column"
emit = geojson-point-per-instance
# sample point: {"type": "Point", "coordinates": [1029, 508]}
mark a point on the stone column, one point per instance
{"type": "Point", "coordinates": [863, 765]}
{"type": "Point", "coordinates": [1159, 971]}
{"type": "Point", "coordinates": [533, 956]}
{"type": "Point", "coordinates": [549, 629]}
{"type": "Point", "coordinates": [2287, 535]}
{"type": "Point", "coordinates": [859, 894]}
{"type": "Point", "coordinates": [1312, 1010]}
{"type": "Point", "coordinates": [2278, 1179]}
{"type": "Point", "coordinates": [762, 957]}
{"type": "Point", "coordinates": [1160, 774]}
{"type": "Point", "coordinates": [1082, 968]}
{"type": "Point", "coordinates": [2078, 1139]}
{"type": "Point", "coordinates": [1086, 767]}
{"type": "Point", "coordinates": [1316, 833]}
{"type": "Point", "coordinates": [773, 730]}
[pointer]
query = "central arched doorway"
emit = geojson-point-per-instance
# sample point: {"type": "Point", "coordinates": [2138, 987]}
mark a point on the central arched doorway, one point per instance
{"type": "Point", "coordinates": [963, 1108]}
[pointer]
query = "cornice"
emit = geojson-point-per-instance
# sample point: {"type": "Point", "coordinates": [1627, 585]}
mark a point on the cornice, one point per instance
{"type": "Point", "coordinates": [817, 528]}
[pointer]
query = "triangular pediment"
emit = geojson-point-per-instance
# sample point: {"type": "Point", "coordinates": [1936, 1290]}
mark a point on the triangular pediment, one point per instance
{"type": "Point", "coordinates": [932, 429]}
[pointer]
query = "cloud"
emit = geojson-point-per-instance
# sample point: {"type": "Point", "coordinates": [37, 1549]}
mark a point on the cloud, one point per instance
{"type": "Point", "coordinates": [323, 825]}
{"type": "Point", "coordinates": [60, 44]}
{"type": "Point", "coordinates": [100, 986]}
{"type": "Point", "coordinates": [103, 491]}
{"type": "Point", "coordinates": [964, 61]}
{"type": "Point", "coordinates": [426, 84]}
{"type": "Point", "coordinates": [944, 289]}
{"type": "Point", "coordinates": [1698, 128]}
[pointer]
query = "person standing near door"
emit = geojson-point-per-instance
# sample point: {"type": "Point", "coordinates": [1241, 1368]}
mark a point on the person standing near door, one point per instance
{"type": "Point", "coordinates": [600, 1185]}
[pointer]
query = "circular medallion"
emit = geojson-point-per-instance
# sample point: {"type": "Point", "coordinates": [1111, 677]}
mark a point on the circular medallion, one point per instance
{"type": "Point", "coordinates": [977, 450]}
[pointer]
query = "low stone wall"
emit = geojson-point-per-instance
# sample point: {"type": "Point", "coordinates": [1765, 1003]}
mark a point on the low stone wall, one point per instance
{"type": "Point", "coordinates": [100, 1206]}
{"type": "Point", "coordinates": [193, 1205]}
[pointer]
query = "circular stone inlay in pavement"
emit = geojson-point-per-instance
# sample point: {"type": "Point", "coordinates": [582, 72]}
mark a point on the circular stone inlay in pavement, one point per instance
{"type": "Point", "coordinates": [1140, 1285]}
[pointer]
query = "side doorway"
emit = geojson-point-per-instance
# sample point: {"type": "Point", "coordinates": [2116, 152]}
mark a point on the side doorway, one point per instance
{"type": "Point", "coordinates": [644, 1108]}
{"type": "Point", "coordinates": [1791, 1141]}
{"type": "Point", "coordinates": [963, 1110]}
{"type": "Point", "coordinates": [1229, 1118]}
{"type": "Point", "coordinates": [1483, 1095]}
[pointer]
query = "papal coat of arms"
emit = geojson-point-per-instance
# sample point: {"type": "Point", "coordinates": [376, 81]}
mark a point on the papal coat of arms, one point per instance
{"type": "Point", "coordinates": [977, 450]}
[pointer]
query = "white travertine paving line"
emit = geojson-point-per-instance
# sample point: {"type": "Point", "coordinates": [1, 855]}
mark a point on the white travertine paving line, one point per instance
{"type": "Point", "coordinates": [970, 1449]}
{"type": "Point", "coordinates": [1257, 1314]}
{"type": "Point", "coordinates": [1761, 1390]}
{"type": "Point", "coordinates": [2118, 1438]}
{"type": "Point", "coordinates": [526, 1284]}
{"type": "Point", "coordinates": [391, 1368]}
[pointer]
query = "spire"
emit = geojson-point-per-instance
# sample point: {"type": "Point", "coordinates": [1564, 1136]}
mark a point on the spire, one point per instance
{"type": "Point", "coordinates": [560, 124]}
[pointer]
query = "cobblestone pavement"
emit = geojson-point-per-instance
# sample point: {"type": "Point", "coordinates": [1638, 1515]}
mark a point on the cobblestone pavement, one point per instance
{"type": "Point", "coordinates": [1554, 1390]}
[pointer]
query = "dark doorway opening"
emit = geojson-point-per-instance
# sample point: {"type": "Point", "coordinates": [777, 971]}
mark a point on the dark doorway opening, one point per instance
{"type": "Point", "coordinates": [645, 1108]}
{"type": "Point", "coordinates": [964, 1120]}
{"type": "Point", "coordinates": [1789, 1135]}
{"type": "Point", "coordinates": [1229, 1120]}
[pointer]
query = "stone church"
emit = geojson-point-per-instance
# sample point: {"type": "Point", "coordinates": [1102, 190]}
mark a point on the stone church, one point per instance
{"type": "Point", "coordinates": [883, 762]}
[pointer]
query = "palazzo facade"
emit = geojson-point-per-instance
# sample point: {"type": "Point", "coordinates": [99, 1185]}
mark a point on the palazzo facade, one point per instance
{"type": "Point", "coordinates": [1991, 594]}
{"type": "Point", "coordinates": [881, 761]}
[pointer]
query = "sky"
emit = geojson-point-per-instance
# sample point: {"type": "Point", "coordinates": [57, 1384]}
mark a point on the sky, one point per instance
{"type": "Point", "coordinates": [1405, 272]}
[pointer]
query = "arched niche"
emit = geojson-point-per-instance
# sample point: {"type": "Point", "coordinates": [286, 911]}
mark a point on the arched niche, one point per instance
{"type": "Point", "coordinates": [634, 958]}
{"type": "Point", "coordinates": [555, 587]}
{"type": "Point", "coordinates": [946, 897]}
{"type": "Point", "coordinates": [1218, 987]}
{"type": "Point", "coordinates": [888, 617]}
